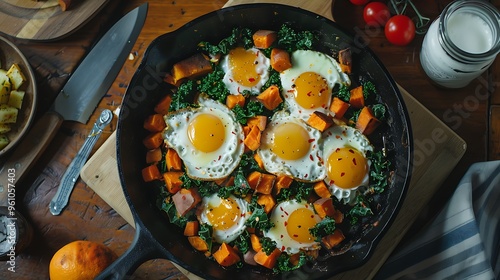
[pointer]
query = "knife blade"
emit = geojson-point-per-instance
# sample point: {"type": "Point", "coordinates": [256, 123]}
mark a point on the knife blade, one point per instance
{"type": "Point", "coordinates": [78, 98]}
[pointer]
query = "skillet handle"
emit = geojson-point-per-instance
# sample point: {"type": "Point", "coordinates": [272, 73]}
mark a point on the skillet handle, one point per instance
{"type": "Point", "coordinates": [143, 248]}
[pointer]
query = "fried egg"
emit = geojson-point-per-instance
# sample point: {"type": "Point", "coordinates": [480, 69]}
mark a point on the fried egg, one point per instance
{"type": "Point", "coordinates": [308, 84]}
{"type": "Point", "coordinates": [346, 164]}
{"type": "Point", "coordinates": [227, 216]}
{"type": "Point", "coordinates": [292, 221]}
{"type": "Point", "coordinates": [245, 69]}
{"type": "Point", "coordinates": [208, 139]}
{"type": "Point", "coordinates": [290, 147]}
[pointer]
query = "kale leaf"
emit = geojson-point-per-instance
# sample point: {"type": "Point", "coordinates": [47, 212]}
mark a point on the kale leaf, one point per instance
{"type": "Point", "coordinates": [379, 171]}
{"type": "Point", "coordinates": [259, 220]}
{"type": "Point", "coordinates": [360, 209]}
{"type": "Point", "coordinates": [283, 263]}
{"type": "Point", "coordinates": [292, 40]}
{"type": "Point", "coordinates": [323, 228]}
{"type": "Point", "coordinates": [213, 85]}
{"type": "Point", "coordinates": [268, 245]}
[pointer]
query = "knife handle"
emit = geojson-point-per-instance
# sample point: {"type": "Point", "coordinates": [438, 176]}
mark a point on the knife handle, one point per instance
{"type": "Point", "coordinates": [26, 153]}
{"type": "Point", "coordinates": [68, 181]}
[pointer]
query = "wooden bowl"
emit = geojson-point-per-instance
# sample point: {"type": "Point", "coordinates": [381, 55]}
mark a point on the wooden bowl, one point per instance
{"type": "Point", "coordinates": [10, 54]}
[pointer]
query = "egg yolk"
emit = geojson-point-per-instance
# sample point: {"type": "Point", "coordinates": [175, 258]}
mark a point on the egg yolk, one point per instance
{"type": "Point", "coordinates": [225, 215]}
{"type": "Point", "coordinates": [312, 91]}
{"type": "Point", "coordinates": [242, 63]}
{"type": "Point", "coordinates": [291, 141]}
{"type": "Point", "coordinates": [206, 132]}
{"type": "Point", "coordinates": [347, 168]}
{"type": "Point", "coordinates": [299, 223]}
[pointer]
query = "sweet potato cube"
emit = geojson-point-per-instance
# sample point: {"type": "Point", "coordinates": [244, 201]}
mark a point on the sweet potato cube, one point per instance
{"type": "Point", "coordinates": [320, 121]}
{"type": "Point", "coordinates": [151, 173]}
{"type": "Point", "coordinates": [367, 122]}
{"type": "Point", "coordinates": [263, 39]}
{"type": "Point", "coordinates": [259, 121]}
{"type": "Point", "coordinates": [259, 161]}
{"type": "Point", "coordinates": [266, 184]}
{"type": "Point", "coordinates": [163, 107]}
{"type": "Point", "coordinates": [173, 160]}
{"type": "Point", "coordinates": [173, 181]}
{"type": "Point", "coordinates": [191, 67]}
{"type": "Point", "coordinates": [155, 123]}
{"type": "Point", "coordinates": [324, 207]}
{"type": "Point", "coordinates": [226, 255]}
{"type": "Point", "coordinates": [357, 99]}
{"type": "Point", "coordinates": [153, 156]}
{"type": "Point", "coordinates": [321, 189]}
{"type": "Point", "coordinates": [339, 107]}
{"type": "Point", "coordinates": [282, 182]}
{"type": "Point", "coordinates": [191, 228]}
{"type": "Point", "coordinates": [270, 97]}
{"type": "Point", "coordinates": [153, 140]}
{"type": "Point", "coordinates": [235, 99]}
{"type": "Point", "coordinates": [268, 201]}
{"type": "Point", "coordinates": [333, 239]}
{"type": "Point", "coordinates": [252, 139]}
{"type": "Point", "coordinates": [254, 179]}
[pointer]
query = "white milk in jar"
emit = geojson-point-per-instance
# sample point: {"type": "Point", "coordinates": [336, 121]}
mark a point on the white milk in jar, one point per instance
{"type": "Point", "coordinates": [461, 43]}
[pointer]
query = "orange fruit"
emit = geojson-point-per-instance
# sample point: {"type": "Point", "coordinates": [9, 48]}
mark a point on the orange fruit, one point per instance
{"type": "Point", "coordinates": [80, 260]}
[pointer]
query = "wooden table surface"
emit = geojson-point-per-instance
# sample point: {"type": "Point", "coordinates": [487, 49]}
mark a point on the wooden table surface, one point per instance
{"type": "Point", "coordinates": [473, 112]}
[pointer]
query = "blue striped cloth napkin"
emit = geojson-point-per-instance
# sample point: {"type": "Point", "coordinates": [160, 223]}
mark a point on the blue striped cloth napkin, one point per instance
{"type": "Point", "coordinates": [463, 241]}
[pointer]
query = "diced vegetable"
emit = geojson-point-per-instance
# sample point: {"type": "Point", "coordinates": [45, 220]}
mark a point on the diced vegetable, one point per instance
{"type": "Point", "coordinates": [235, 99]}
{"type": "Point", "coordinates": [324, 207]}
{"type": "Point", "coordinates": [4, 141]}
{"type": "Point", "coordinates": [345, 61]}
{"type": "Point", "coordinates": [163, 107]}
{"type": "Point", "coordinates": [151, 173]}
{"type": "Point", "coordinates": [263, 39]}
{"type": "Point", "coordinates": [198, 243]}
{"type": "Point", "coordinates": [152, 141]}
{"type": "Point", "coordinates": [8, 114]}
{"type": "Point", "coordinates": [280, 60]}
{"type": "Point", "coordinates": [357, 99]}
{"type": "Point", "coordinates": [282, 182]}
{"type": "Point", "coordinates": [173, 181]}
{"type": "Point", "coordinates": [333, 239]}
{"type": "Point", "coordinates": [4, 128]}
{"type": "Point", "coordinates": [339, 107]}
{"type": "Point", "coordinates": [270, 97]}
{"type": "Point", "coordinates": [267, 201]}
{"type": "Point", "coordinates": [259, 161]}
{"type": "Point", "coordinates": [189, 68]}
{"type": "Point", "coordinates": [259, 121]}
{"type": "Point", "coordinates": [191, 228]}
{"type": "Point", "coordinates": [320, 121]}
{"type": "Point", "coordinates": [16, 98]}
{"type": "Point", "coordinates": [255, 242]}
{"type": "Point", "coordinates": [254, 179]}
{"type": "Point", "coordinates": [266, 183]}
{"type": "Point", "coordinates": [226, 255]}
{"type": "Point", "coordinates": [367, 122]}
{"type": "Point", "coordinates": [322, 190]}
{"type": "Point", "coordinates": [155, 123]}
{"type": "Point", "coordinates": [268, 261]}
{"type": "Point", "coordinates": [153, 156]}
{"type": "Point", "coordinates": [16, 76]}
{"type": "Point", "coordinates": [173, 161]}
{"type": "Point", "coordinates": [252, 140]}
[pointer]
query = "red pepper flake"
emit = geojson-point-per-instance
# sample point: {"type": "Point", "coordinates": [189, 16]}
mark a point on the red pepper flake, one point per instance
{"type": "Point", "coordinates": [354, 161]}
{"type": "Point", "coordinates": [332, 182]}
{"type": "Point", "coordinates": [286, 223]}
{"type": "Point", "coordinates": [351, 151]}
{"type": "Point", "coordinates": [219, 157]}
{"type": "Point", "coordinates": [307, 175]}
{"type": "Point", "coordinates": [183, 197]}
{"type": "Point", "coordinates": [251, 80]}
{"type": "Point", "coordinates": [311, 157]}
{"type": "Point", "coordinates": [283, 248]}
{"type": "Point", "coordinates": [342, 174]}
{"type": "Point", "coordinates": [337, 136]}
{"type": "Point", "coordinates": [311, 140]}
{"type": "Point", "coordinates": [309, 94]}
{"type": "Point", "coordinates": [295, 235]}
{"type": "Point", "coordinates": [322, 90]}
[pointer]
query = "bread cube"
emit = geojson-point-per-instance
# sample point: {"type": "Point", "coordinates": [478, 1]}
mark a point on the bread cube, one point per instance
{"type": "Point", "coordinates": [16, 76]}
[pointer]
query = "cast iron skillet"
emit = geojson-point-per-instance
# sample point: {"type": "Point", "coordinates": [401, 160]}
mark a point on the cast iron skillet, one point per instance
{"type": "Point", "coordinates": [156, 237]}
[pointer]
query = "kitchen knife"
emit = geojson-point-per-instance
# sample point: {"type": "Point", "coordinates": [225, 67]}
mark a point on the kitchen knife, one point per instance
{"type": "Point", "coordinates": [78, 98]}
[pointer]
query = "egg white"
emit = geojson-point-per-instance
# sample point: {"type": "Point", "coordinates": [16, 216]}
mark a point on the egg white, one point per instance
{"type": "Point", "coordinates": [310, 61]}
{"type": "Point", "coordinates": [308, 168]}
{"type": "Point", "coordinates": [201, 165]}
{"type": "Point", "coordinates": [279, 233]}
{"type": "Point", "coordinates": [261, 65]}
{"type": "Point", "coordinates": [345, 136]}
{"type": "Point", "coordinates": [234, 231]}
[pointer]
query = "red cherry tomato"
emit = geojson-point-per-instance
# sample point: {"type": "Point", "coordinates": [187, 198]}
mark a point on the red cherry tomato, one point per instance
{"type": "Point", "coordinates": [359, 2]}
{"type": "Point", "coordinates": [400, 30]}
{"type": "Point", "coordinates": [376, 14]}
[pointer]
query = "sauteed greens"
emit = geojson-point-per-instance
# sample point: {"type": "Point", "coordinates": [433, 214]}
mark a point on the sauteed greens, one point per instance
{"type": "Point", "coordinates": [238, 210]}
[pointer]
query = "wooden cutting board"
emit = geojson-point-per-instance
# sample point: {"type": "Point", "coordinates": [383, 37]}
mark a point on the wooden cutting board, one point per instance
{"type": "Point", "coordinates": [101, 174]}
{"type": "Point", "coordinates": [44, 20]}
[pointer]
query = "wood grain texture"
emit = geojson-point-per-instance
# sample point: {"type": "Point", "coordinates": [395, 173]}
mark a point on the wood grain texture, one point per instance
{"type": "Point", "coordinates": [44, 20]}
{"type": "Point", "coordinates": [494, 134]}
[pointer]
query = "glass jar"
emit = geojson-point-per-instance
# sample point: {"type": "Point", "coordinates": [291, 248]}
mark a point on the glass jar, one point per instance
{"type": "Point", "coordinates": [461, 43]}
